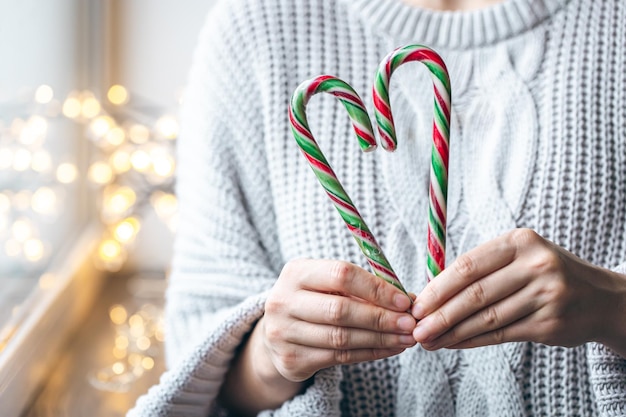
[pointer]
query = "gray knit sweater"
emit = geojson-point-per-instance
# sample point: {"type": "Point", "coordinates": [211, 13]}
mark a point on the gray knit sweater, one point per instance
{"type": "Point", "coordinates": [538, 140]}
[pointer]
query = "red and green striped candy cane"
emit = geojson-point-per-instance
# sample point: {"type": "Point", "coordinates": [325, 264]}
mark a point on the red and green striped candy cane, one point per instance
{"type": "Point", "coordinates": [325, 174]}
{"type": "Point", "coordinates": [438, 189]}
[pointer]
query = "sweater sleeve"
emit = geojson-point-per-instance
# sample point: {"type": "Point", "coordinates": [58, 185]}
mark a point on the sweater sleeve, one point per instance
{"type": "Point", "coordinates": [226, 252]}
{"type": "Point", "coordinates": [607, 371]}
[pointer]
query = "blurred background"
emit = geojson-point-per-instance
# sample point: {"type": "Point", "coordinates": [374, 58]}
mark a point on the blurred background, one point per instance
{"type": "Point", "coordinates": [89, 99]}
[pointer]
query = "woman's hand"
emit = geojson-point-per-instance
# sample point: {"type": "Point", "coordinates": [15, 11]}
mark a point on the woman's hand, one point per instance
{"type": "Point", "coordinates": [319, 313]}
{"type": "Point", "coordinates": [521, 287]}
{"type": "Point", "coordinates": [322, 313]}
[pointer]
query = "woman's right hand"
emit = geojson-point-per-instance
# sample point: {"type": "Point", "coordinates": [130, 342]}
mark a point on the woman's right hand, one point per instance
{"type": "Point", "coordinates": [319, 313]}
{"type": "Point", "coordinates": [322, 313]}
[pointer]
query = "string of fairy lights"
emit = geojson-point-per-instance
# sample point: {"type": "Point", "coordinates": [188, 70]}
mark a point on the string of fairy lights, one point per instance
{"type": "Point", "coordinates": [130, 169]}
{"type": "Point", "coordinates": [137, 337]}
{"type": "Point", "coordinates": [131, 166]}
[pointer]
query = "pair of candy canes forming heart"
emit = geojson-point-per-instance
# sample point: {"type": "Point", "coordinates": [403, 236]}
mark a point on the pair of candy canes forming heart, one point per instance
{"type": "Point", "coordinates": [365, 135]}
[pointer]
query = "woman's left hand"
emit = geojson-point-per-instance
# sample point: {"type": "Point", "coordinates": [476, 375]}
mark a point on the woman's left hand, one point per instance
{"type": "Point", "coordinates": [521, 287]}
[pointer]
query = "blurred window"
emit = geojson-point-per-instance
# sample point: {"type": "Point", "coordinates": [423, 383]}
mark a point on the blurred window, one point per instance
{"type": "Point", "coordinates": [45, 94]}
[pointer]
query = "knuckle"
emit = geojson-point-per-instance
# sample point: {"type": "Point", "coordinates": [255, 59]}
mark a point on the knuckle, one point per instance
{"type": "Point", "coordinates": [375, 353]}
{"type": "Point", "coordinates": [336, 310]}
{"type": "Point", "coordinates": [339, 338]}
{"type": "Point", "coordinates": [273, 305]}
{"type": "Point", "coordinates": [453, 336]}
{"type": "Point", "coordinates": [499, 336]}
{"type": "Point", "coordinates": [287, 269]}
{"type": "Point", "coordinates": [342, 356]}
{"type": "Point", "coordinates": [546, 262]}
{"type": "Point", "coordinates": [490, 317]}
{"type": "Point", "coordinates": [431, 293]}
{"type": "Point", "coordinates": [378, 353]}
{"type": "Point", "coordinates": [379, 288]}
{"type": "Point", "coordinates": [293, 274]}
{"type": "Point", "coordinates": [292, 267]}
{"type": "Point", "coordinates": [465, 265]}
{"type": "Point", "coordinates": [291, 363]}
{"type": "Point", "coordinates": [341, 273]}
{"type": "Point", "coordinates": [557, 292]}
{"type": "Point", "coordinates": [476, 293]}
{"type": "Point", "coordinates": [288, 360]}
{"type": "Point", "coordinates": [383, 340]}
{"type": "Point", "coordinates": [522, 237]}
{"type": "Point", "coordinates": [443, 319]}
{"type": "Point", "coordinates": [273, 333]}
{"type": "Point", "coordinates": [556, 295]}
{"type": "Point", "coordinates": [380, 320]}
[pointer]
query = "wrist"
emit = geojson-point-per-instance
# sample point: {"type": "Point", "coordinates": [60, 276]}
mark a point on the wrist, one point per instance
{"type": "Point", "coordinates": [613, 326]}
{"type": "Point", "coordinates": [253, 383]}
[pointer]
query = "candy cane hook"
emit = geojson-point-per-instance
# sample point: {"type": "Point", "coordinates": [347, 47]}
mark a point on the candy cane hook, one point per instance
{"type": "Point", "coordinates": [438, 189]}
{"type": "Point", "coordinates": [325, 174]}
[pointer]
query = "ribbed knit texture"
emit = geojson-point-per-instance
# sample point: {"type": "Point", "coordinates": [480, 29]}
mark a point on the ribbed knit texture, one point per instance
{"type": "Point", "coordinates": [538, 140]}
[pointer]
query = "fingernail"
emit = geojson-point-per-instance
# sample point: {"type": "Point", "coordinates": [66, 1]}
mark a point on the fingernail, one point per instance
{"type": "Point", "coordinates": [401, 301]}
{"type": "Point", "coordinates": [417, 311]}
{"type": "Point", "coordinates": [407, 340]}
{"type": "Point", "coordinates": [420, 334]}
{"type": "Point", "coordinates": [406, 323]}
{"type": "Point", "coordinates": [429, 346]}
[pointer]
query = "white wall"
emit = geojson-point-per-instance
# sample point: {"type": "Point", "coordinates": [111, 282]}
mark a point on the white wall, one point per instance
{"type": "Point", "coordinates": [29, 59]}
{"type": "Point", "coordinates": [152, 42]}
{"type": "Point", "coordinates": [152, 45]}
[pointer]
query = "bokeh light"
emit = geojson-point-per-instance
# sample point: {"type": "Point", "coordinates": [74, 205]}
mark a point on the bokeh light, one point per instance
{"type": "Point", "coordinates": [117, 95]}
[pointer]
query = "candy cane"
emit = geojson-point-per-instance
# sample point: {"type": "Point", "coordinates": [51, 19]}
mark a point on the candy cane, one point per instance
{"type": "Point", "coordinates": [325, 174]}
{"type": "Point", "coordinates": [438, 189]}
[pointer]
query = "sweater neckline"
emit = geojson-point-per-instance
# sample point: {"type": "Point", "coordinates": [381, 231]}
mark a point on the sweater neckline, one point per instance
{"type": "Point", "coordinates": [454, 29]}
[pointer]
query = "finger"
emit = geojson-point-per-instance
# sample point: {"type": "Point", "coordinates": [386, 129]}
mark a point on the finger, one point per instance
{"type": "Point", "coordinates": [324, 358]}
{"type": "Point", "coordinates": [344, 338]}
{"type": "Point", "coordinates": [489, 320]}
{"type": "Point", "coordinates": [465, 270]}
{"type": "Point", "coordinates": [520, 331]}
{"type": "Point", "coordinates": [298, 363]}
{"type": "Point", "coordinates": [345, 278]}
{"type": "Point", "coordinates": [337, 310]}
{"type": "Point", "coordinates": [469, 301]}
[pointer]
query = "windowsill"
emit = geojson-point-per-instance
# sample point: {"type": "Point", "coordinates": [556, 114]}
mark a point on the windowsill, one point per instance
{"type": "Point", "coordinates": [47, 319]}
{"type": "Point", "coordinates": [15, 290]}
{"type": "Point", "coordinates": [70, 390]}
